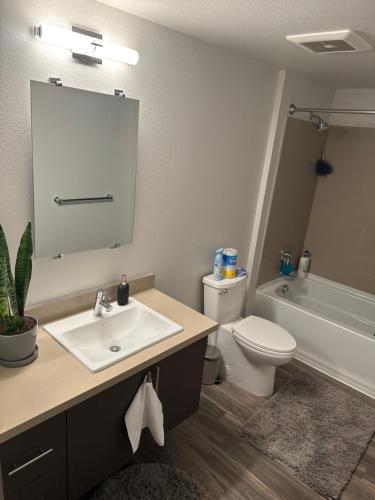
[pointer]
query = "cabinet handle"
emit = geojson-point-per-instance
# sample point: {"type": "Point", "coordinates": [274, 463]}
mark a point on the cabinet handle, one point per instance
{"type": "Point", "coordinates": [157, 380]}
{"type": "Point", "coordinates": [26, 464]}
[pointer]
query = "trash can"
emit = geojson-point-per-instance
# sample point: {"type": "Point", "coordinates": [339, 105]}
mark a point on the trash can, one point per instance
{"type": "Point", "coordinates": [211, 370]}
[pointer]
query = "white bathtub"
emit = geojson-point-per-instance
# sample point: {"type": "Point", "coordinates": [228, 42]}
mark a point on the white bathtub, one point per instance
{"type": "Point", "coordinates": [334, 326]}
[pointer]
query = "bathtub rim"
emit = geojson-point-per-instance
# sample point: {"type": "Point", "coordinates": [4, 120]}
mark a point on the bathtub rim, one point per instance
{"type": "Point", "coordinates": [268, 290]}
{"type": "Point", "coordinates": [314, 278]}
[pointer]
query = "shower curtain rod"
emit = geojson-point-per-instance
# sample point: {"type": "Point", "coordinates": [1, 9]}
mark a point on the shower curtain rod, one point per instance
{"type": "Point", "coordinates": [293, 109]}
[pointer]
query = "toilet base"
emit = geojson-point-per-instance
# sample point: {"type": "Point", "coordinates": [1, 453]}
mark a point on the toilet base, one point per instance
{"type": "Point", "coordinates": [261, 379]}
{"type": "Point", "coordinates": [256, 378]}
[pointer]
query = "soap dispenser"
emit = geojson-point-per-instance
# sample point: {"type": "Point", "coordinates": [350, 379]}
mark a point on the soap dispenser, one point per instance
{"type": "Point", "coordinates": [123, 292]}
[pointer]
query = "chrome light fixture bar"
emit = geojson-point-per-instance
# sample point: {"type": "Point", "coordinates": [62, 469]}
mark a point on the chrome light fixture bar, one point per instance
{"type": "Point", "coordinates": [85, 45]}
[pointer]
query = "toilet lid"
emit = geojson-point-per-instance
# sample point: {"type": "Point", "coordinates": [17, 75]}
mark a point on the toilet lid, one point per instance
{"type": "Point", "coordinates": [264, 334]}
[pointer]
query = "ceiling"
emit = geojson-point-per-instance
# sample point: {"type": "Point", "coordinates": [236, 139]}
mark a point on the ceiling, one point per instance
{"type": "Point", "coordinates": [259, 27]}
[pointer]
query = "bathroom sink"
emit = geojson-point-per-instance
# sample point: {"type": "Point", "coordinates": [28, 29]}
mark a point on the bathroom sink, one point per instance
{"type": "Point", "coordinates": [99, 342]}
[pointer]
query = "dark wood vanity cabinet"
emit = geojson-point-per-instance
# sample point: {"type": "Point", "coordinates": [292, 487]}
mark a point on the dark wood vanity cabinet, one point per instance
{"type": "Point", "coordinates": [179, 384]}
{"type": "Point", "coordinates": [68, 455]}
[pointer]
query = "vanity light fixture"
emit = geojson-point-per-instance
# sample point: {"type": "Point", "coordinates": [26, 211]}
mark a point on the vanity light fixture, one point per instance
{"type": "Point", "coordinates": [85, 45]}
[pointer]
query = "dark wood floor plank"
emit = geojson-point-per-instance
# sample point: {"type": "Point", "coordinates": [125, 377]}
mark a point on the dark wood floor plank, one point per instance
{"type": "Point", "coordinates": [209, 446]}
{"type": "Point", "coordinates": [358, 490]}
{"type": "Point", "coordinates": [278, 479]}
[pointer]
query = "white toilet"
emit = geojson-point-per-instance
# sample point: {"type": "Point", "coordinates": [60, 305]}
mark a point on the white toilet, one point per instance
{"type": "Point", "coordinates": [251, 347]}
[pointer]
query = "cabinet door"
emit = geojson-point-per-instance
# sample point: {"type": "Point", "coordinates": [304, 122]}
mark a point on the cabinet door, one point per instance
{"type": "Point", "coordinates": [32, 455]}
{"type": "Point", "coordinates": [98, 444]}
{"type": "Point", "coordinates": [50, 486]}
{"type": "Point", "coordinates": [179, 383]}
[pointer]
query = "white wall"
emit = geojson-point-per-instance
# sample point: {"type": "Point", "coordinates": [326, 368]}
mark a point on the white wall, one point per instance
{"type": "Point", "coordinates": [355, 99]}
{"type": "Point", "coordinates": [204, 121]}
{"type": "Point", "coordinates": [303, 92]}
{"type": "Point", "coordinates": [294, 89]}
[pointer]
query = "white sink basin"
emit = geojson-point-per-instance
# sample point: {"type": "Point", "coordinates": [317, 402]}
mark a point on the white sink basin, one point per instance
{"type": "Point", "coordinates": [99, 342]}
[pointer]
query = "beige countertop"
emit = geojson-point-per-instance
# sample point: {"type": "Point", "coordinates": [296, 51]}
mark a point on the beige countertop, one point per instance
{"type": "Point", "coordinates": [57, 381]}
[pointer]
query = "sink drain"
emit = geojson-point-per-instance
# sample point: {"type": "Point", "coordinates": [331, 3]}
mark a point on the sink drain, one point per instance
{"type": "Point", "coordinates": [115, 348]}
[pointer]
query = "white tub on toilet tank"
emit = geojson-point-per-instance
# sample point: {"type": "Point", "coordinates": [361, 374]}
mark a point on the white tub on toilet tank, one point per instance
{"type": "Point", "coordinates": [251, 347]}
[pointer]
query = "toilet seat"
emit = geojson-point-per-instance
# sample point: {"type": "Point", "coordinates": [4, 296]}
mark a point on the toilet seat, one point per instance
{"type": "Point", "coordinates": [266, 353]}
{"type": "Point", "coordinates": [264, 336]}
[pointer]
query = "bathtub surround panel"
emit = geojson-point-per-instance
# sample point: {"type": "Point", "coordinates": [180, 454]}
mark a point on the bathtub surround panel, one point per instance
{"type": "Point", "coordinates": [204, 113]}
{"type": "Point", "coordinates": [293, 195]}
{"type": "Point", "coordinates": [341, 232]}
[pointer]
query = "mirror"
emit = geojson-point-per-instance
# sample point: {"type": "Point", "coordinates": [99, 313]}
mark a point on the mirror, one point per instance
{"type": "Point", "coordinates": [84, 165]}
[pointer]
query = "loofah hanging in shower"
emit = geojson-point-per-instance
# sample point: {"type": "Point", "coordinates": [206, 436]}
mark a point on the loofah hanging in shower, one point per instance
{"type": "Point", "coordinates": [323, 167]}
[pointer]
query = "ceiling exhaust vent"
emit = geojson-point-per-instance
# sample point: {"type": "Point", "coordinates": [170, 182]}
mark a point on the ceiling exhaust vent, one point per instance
{"type": "Point", "coordinates": [331, 42]}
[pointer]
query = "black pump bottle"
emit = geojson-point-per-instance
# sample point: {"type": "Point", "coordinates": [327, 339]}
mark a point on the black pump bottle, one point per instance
{"type": "Point", "coordinates": [123, 292]}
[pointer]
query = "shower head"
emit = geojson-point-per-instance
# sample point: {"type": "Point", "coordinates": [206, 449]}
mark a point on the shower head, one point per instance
{"type": "Point", "coordinates": [319, 122]}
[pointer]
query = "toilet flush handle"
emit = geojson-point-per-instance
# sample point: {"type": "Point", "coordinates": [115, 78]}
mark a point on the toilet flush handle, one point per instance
{"type": "Point", "coordinates": [224, 291]}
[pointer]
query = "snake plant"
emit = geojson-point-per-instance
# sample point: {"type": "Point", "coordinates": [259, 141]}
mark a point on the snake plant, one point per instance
{"type": "Point", "coordinates": [13, 291]}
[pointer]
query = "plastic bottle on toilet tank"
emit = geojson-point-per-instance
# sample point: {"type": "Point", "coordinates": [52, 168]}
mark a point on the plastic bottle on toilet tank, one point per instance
{"type": "Point", "coordinates": [219, 265]}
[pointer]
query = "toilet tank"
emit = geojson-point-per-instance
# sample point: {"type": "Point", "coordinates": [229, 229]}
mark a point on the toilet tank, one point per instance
{"type": "Point", "coordinates": [224, 300]}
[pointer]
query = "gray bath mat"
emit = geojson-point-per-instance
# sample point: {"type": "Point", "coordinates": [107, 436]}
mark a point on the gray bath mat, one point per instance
{"type": "Point", "coordinates": [316, 430]}
{"type": "Point", "coordinates": [150, 481]}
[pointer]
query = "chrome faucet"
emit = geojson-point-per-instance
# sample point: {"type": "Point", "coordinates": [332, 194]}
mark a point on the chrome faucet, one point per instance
{"type": "Point", "coordinates": [100, 302]}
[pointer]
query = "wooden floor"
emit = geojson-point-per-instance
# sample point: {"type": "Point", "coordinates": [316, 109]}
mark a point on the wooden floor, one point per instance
{"type": "Point", "coordinates": [209, 446]}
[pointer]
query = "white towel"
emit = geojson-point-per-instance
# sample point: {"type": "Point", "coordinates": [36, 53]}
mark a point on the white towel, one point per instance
{"type": "Point", "coordinates": [145, 411]}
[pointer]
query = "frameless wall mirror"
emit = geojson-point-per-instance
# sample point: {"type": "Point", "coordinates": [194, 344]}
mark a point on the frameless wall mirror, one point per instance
{"type": "Point", "coordinates": [84, 166]}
